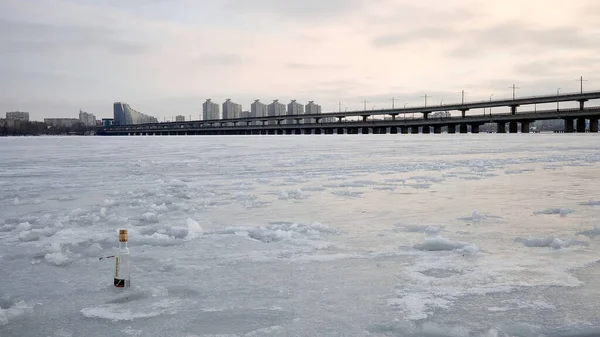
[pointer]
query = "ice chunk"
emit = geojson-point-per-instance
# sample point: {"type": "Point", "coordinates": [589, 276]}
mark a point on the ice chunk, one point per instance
{"type": "Point", "coordinates": [27, 236]}
{"type": "Point", "coordinates": [551, 211]}
{"type": "Point", "coordinates": [194, 229]}
{"type": "Point", "coordinates": [178, 232]}
{"type": "Point", "coordinates": [422, 229]}
{"type": "Point", "coordinates": [150, 217]}
{"type": "Point", "coordinates": [592, 232]}
{"type": "Point", "coordinates": [439, 243]}
{"type": "Point", "coordinates": [292, 194]}
{"type": "Point", "coordinates": [58, 259]}
{"type": "Point", "coordinates": [115, 313]}
{"type": "Point", "coordinates": [590, 203]}
{"type": "Point", "coordinates": [349, 194]}
{"type": "Point", "coordinates": [548, 241]}
{"type": "Point", "coordinates": [23, 226]}
{"type": "Point", "coordinates": [12, 311]}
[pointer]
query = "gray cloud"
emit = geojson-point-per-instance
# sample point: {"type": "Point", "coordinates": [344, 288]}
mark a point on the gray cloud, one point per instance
{"type": "Point", "coordinates": [220, 59]}
{"type": "Point", "coordinates": [508, 35]}
{"type": "Point", "coordinates": [403, 38]}
{"type": "Point", "coordinates": [306, 66]}
{"type": "Point", "coordinates": [558, 66]}
{"type": "Point", "coordinates": [26, 37]}
{"type": "Point", "coordinates": [305, 9]}
{"type": "Point", "coordinates": [512, 35]}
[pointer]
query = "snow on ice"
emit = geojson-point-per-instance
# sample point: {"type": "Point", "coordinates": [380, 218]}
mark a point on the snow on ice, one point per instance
{"type": "Point", "coordinates": [220, 248]}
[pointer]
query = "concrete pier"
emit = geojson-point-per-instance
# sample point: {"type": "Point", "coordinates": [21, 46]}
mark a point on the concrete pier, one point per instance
{"type": "Point", "coordinates": [437, 129]}
{"type": "Point", "coordinates": [569, 125]}
{"type": "Point", "coordinates": [501, 127]}
{"type": "Point", "coordinates": [404, 130]}
{"type": "Point", "coordinates": [426, 129]}
{"type": "Point", "coordinates": [525, 127]}
{"type": "Point", "coordinates": [414, 130]}
{"type": "Point", "coordinates": [464, 128]}
{"type": "Point", "coordinates": [452, 128]}
{"type": "Point", "coordinates": [513, 127]}
{"type": "Point", "coordinates": [581, 124]}
{"type": "Point", "coordinates": [594, 124]}
{"type": "Point", "coordinates": [475, 128]}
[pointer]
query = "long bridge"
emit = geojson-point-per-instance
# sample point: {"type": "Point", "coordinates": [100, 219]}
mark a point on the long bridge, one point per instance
{"type": "Point", "coordinates": [394, 120]}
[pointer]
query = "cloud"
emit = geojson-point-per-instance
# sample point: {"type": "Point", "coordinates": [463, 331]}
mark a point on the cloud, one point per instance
{"type": "Point", "coordinates": [27, 37]}
{"type": "Point", "coordinates": [298, 10]}
{"type": "Point", "coordinates": [307, 66]}
{"type": "Point", "coordinates": [222, 59]}
{"type": "Point", "coordinates": [408, 37]}
{"type": "Point", "coordinates": [558, 66]}
{"type": "Point", "coordinates": [521, 38]}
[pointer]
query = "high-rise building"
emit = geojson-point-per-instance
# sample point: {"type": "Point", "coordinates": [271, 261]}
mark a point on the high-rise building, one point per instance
{"type": "Point", "coordinates": [231, 110]}
{"type": "Point", "coordinates": [125, 115]}
{"type": "Point", "coordinates": [276, 109]}
{"type": "Point", "coordinates": [258, 109]}
{"type": "Point", "coordinates": [294, 108]}
{"type": "Point", "coordinates": [87, 119]}
{"type": "Point", "coordinates": [310, 109]}
{"type": "Point", "coordinates": [18, 116]}
{"type": "Point", "coordinates": [210, 110]}
{"type": "Point", "coordinates": [61, 122]}
{"type": "Point", "coordinates": [180, 118]}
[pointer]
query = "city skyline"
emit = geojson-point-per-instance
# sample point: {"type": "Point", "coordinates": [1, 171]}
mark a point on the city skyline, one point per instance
{"type": "Point", "coordinates": [61, 59]}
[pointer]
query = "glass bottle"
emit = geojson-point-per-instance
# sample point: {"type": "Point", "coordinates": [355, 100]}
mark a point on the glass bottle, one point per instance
{"type": "Point", "coordinates": [122, 261]}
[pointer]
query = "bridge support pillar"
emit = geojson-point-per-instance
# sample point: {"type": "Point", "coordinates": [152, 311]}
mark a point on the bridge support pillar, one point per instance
{"type": "Point", "coordinates": [340, 131]}
{"type": "Point", "coordinates": [404, 130]}
{"type": "Point", "coordinates": [452, 128]}
{"type": "Point", "coordinates": [569, 125]}
{"type": "Point", "coordinates": [437, 129]}
{"type": "Point", "coordinates": [513, 127]}
{"type": "Point", "coordinates": [500, 127]}
{"type": "Point", "coordinates": [525, 127]}
{"type": "Point", "coordinates": [581, 124]}
{"type": "Point", "coordinates": [513, 110]}
{"type": "Point", "coordinates": [383, 131]}
{"type": "Point", "coordinates": [594, 124]}
{"type": "Point", "coordinates": [463, 113]}
{"type": "Point", "coordinates": [414, 130]}
{"type": "Point", "coordinates": [426, 129]}
{"type": "Point", "coordinates": [364, 131]}
{"type": "Point", "coordinates": [582, 104]}
{"type": "Point", "coordinates": [394, 130]}
{"type": "Point", "coordinates": [475, 128]}
{"type": "Point", "coordinates": [464, 128]}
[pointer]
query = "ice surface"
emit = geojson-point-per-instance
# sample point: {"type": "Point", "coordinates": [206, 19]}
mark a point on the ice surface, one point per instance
{"type": "Point", "coordinates": [236, 236]}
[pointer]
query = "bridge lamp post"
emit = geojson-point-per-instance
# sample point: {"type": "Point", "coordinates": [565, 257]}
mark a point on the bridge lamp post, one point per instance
{"type": "Point", "coordinates": [490, 103]}
{"type": "Point", "coordinates": [557, 102]}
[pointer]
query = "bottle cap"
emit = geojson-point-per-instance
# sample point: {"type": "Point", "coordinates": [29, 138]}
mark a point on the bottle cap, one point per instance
{"type": "Point", "coordinates": [123, 236]}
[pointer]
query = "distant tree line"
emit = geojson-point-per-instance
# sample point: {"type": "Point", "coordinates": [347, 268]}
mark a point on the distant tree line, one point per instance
{"type": "Point", "coordinates": [40, 128]}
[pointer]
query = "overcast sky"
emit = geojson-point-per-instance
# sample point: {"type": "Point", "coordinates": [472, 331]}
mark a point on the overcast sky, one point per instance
{"type": "Point", "coordinates": [165, 57]}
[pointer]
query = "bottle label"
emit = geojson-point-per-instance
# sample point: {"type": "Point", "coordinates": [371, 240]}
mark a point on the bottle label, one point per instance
{"type": "Point", "coordinates": [121, 279]}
